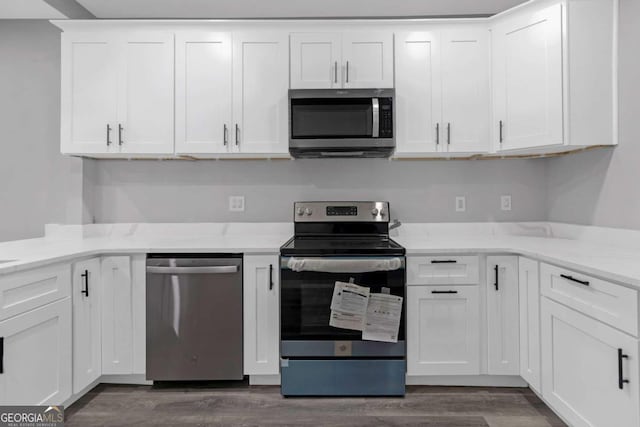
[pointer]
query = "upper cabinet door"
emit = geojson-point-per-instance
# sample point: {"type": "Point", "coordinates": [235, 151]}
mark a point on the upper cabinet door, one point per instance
{"type": "Point", "coordinates": [89, 94]}
{"type": "Point", "coordinates": [316, 61]}
{"type": "Point", "coordinates": [145, 111]}
{"type": "Point", "coordinates": [465, 90]}
{"type": "Point", "coordinates": [418, 92]}
{"type": "Point", "coordinates": [260, 85]}
{"type": "Point", "coordinates": [368, 60]}
{"type": "Point", "coordinates": [528, 80]}
{"type": "Point", "coordinates": [203, 92]}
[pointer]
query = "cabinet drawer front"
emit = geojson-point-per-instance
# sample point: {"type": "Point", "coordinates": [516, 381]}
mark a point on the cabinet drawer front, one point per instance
{"type": "Point", "coordinates": [27, 290]}
{"type": "Point", "coordinates": [442, 270]}
{"type": "Point", "coordinates": [606, 301]}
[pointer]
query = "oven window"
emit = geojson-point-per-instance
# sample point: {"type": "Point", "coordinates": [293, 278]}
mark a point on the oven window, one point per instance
{"type": "Point", "coordinates": [306, 300]}
{"type": "Point", "coordinates": [331, 118]}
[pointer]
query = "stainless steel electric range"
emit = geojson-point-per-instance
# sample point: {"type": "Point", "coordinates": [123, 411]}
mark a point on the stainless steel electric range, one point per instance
{"type": "Point", "coordinates": [338, 241]}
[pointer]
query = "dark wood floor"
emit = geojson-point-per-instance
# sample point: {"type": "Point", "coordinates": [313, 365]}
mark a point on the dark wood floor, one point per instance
{"type": "Point", "coordinates": [263, 406]}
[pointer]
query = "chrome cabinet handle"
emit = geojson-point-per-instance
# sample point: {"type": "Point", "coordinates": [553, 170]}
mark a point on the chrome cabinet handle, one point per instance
{"type": "Point", "coordinates": [120, 129]}
{"type": "Point", "coordinates": [237, 134]}
{"type": "Point", "coordinates": [108, 134]}
{"type": "Point", "coordinates": [500, 131]}
{"type": "Point", "coordinates": [224, 134]}
{"type": "Point", "coordinates": [448, 133]}
{"type": "Point", "coordinates": [335, 72]}
{"type": "Point", "coordinates": [223, 269]}
{"type": "Point", "coordinates": [347, 71]}
{"type": "Point", "coordinates": [437, 133]}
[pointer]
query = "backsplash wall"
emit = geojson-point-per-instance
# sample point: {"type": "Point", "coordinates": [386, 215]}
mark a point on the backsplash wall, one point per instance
{"type": "Point", "coordinates": [419, 191]}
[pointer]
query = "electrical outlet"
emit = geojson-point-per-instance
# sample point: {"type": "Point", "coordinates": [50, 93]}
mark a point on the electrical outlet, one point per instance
{"type": "Point", "coordinates": [461, 203]}
{"type": "Point", "coordinates": [505, 202]}
{"type": "Point", "coordinates": [236, 203]}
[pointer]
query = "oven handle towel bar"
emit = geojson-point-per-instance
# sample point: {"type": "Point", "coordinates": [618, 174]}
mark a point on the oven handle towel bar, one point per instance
{"type": "Point", "coordinates": [350, 265]}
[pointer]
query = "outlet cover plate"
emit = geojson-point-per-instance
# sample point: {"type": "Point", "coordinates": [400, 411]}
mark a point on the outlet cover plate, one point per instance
{"type": "Point", "coordinates": [461, 203]}
{"type": "Point", "coordinates": [236, 203]}
{"type": "Point", "coordinates": [505, 202]}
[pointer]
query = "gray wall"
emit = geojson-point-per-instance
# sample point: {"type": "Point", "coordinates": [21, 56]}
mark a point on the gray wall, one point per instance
{"type": "Point", "coordinates": [159, 191]}
{"type": "Point", "coordinates": [37, 184]}
{"type": "Point", "coordinates": [603, 187]}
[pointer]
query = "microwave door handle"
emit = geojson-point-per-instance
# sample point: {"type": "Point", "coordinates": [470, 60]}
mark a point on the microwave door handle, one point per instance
{"type": "Point", "coordinates": [375, 127]}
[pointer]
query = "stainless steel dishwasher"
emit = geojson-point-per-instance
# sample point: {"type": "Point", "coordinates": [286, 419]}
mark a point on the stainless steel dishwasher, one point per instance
{"type": "Point", "coordinates": [194, 317]}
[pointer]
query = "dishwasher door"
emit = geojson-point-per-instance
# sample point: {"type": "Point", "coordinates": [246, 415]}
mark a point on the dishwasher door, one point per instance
{"type": "Point", "coordinates": [194, 317]}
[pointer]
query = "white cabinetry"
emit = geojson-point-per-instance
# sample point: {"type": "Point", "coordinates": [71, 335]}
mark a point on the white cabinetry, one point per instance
{"type": "Point", "coordinates": [87, 330]}
{"type": "Point", "coordinates": [442, 91]}
{"type": "Point", "coordinates": [203, 92]}
{"type": "Point", "coordinates": [117, 340]}
{"type": "Point", "coordinates": [342, 60]}
{"type": "Point", "coordinates": [541, 95]}
{"type": "Point", "coordinates": [529, 296]}
{"type": "Point", "coordinates": [583, 363]}
{"type": "Point", "coordinates": [502, 315]}
{"type": "Point", "coordinates": [261, 315]}
{"type": "Point", "coordinates": [443, 330]}
{"type": "Point", "coordinates": [117, 93]}
{"type": "Point", "coordinates": [260, 92]}
{"type": "Point", "coordinates": [36, 356]}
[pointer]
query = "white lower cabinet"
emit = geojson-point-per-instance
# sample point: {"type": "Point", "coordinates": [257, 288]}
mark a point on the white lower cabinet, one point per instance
{"type": "Point", "coordinates": [443, 330]}
{"type": "Point", "coordinates": [583, 364]}
{"type": "Point", "coordinates": [117, 337]}
{"type": "Point", "coordinates": [87, 330]}
{"type": "Point", "coordinates": [36, 356]}
{"type": "Point", "coordinates": [261, 299]}
{"type": "Point", "coordinates": [502, 315]}
{"type": "Point", "coordinates": [529, 296]}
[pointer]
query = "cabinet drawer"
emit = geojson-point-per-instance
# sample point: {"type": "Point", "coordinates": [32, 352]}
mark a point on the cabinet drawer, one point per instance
{"type": "Point", "coordinates": [442, 270]}
{"type": "Point", "coordinates": [606, 301]}
{"type": "Point", "coordinates": [26, 290]}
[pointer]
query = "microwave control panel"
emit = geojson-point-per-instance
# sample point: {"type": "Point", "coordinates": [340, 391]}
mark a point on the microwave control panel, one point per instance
{"type": "Point", "coordinates": [386, 118]}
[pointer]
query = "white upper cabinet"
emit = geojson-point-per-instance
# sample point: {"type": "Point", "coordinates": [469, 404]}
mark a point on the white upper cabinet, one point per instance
{"type": "Point", "coordinates": [341, 60]}
{"type": "Point", "coordinates": [502, 315]}
{"type": "Point", "coordinates": [117, 93]}
{"type": "Point", "coordinates": [145, 104]}
{"type": "Point", "coordinates": [527, 79]}
{"type": "Point", "coordinates": [260, 84]}
{"type": "Point", "coordinates": [442, 91]}
{"type": "Point", "coordinates": [203, 92]}
{"type": "Point", "coordinates": [418, 92]}
{"type": "Point", "coordinates": [554, 76]}
{"type": "Point", "coordinates": [89, 94]}
{"type": "Point", "coordinates": [316, 60]}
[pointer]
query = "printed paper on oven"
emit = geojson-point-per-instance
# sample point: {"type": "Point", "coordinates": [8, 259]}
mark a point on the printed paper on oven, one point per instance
{"type": "Point", "coordinates": [383, 318]}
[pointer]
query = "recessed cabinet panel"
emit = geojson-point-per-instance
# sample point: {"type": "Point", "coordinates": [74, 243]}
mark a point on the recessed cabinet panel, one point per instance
{"type": "Point", "coordinates": [418, 92]}
{"type": "Point", "coordinates": [145, 123]}
{"type": "Point", "coordinates": [260, 92]}
{"type": "Point", "coordinates": [316, 60]}
{"type": "Point", "coordinates": [529, 296]}
{"type": "Point", "coordinates": [444, 269]}
{"type": "Point", "coordinates": [465, 90]}
{"type": "Point", "coordinates": [89, 94]}
{"type": "Point", "coordinates": [203, 93]}
{"type": "Point", "coordinates": [368, 59]}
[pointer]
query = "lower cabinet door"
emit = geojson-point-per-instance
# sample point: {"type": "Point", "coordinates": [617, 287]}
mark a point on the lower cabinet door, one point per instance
{"type": "Point", "coordinates": [36, 356]}
{"type": "Point", "coordinates": [87, 330]}
{"type": "Point", "coordinates": [585, 366]}
{"type": "Point", "coordinates": [443, 330]}
{"type": "Point", "coordinates": [502, 315]}
{"type": "Point", "coordinates": [261, 302]}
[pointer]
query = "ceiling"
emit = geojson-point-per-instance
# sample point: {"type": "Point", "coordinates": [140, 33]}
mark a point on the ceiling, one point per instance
{"type": "Point", "coordinates": [211, 9]}
{"type": "Point", "coordinates": [28, 9]}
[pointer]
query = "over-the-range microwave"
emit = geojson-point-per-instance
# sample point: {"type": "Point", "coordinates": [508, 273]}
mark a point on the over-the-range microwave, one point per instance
{"type": "Point", "coordinates": [341, 123]}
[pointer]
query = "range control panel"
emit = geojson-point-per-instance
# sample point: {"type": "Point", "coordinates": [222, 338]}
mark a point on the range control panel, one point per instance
{"type": "Point", "coordinates": [341, 212]}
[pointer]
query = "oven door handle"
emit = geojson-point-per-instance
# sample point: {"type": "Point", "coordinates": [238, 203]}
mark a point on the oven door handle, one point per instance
{"type": "Point", "coordinates": [342, 264]}
{"type": "Point", "coordinates": [222, 269]}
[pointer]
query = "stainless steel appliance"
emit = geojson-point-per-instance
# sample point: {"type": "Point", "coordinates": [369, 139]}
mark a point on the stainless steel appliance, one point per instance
{"type": "Point", "coordinates": [341, 122]}
{"type": "Point", "coordinates": [318, 359]}
{"type": "Point", "coordinates": [194, 317]}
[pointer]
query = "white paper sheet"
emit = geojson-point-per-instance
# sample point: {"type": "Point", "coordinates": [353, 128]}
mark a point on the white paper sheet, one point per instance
{"type": "Point", "coordinates": [349, 306]}
{"type": "Point", "coordinates": [383, 318]}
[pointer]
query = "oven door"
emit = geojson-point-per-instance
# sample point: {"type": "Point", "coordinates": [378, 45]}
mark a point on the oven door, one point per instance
{"type": "Point", "coordinates": [305, 309]}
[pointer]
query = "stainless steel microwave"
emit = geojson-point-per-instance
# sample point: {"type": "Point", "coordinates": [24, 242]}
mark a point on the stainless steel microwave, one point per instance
{"type": "Point", "coordinates": [341, 123]}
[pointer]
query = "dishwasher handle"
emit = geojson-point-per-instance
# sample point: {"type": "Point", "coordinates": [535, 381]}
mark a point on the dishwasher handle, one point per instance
{"type": "Point", "coordinates": [222, 269]}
